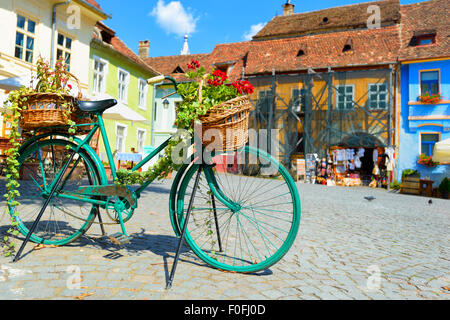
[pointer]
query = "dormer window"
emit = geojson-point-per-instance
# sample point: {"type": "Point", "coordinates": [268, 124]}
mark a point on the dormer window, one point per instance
{"type": "Point", "coordinates": [426, 39]}
{"type": "Point", "coordinates": [178, 70]}
{"type": "Point", "coordinates": [423, 38]}
{"type": "Point", "coordinates": [348, 46]}
{"type": "Point", "coordinates": [302, 51]}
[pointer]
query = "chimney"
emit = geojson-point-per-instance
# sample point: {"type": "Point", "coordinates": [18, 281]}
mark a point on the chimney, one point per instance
{"type": "Point", "coordinates": [144, 49]}
{"type": "Point", "coordinates": [288, 8]}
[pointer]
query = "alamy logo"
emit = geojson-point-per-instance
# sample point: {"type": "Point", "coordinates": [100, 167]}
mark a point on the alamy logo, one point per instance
{"type": "Point", "coordinates": [74, 17]}
{"type": "Point", "coordinates": [374, 20]}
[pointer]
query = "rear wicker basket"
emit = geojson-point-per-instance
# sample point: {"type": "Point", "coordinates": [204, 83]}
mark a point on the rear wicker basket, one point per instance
{"type": "Point", "coordinates": [230, 120]}
{"type": "Point", "coordinates": [42, 110]}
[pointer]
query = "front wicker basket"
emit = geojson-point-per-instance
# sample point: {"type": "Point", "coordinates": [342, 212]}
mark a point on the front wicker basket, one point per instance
{"type": "Point", "coordinates": [230, 120]}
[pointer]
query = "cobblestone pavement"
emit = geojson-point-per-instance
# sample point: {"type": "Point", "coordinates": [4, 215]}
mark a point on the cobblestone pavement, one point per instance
{"type": "Point", "coordinates": [394, 247]}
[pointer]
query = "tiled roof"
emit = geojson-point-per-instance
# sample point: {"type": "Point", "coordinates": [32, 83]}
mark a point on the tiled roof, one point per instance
{"type": "Point", "coordinates": [233, 54]}
{"type": "Point", "coordinates": [94, 3]}
{"type": "Point", "coordinates": [121, 48]}
{"type": "Point", "coordinates": [369, 47]}
{"type": "Point", "coordinates": [329, 20]}
{"type": "Point", "coordinates": [422, 18]}
{"type": "Point", "coordinates": [168, 64]}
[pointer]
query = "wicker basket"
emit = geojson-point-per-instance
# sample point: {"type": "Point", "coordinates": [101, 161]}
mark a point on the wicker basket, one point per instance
{"type": "Point", "coordinates": [230, 119]}
{"type": "Point", "coordinates": [44, 110]}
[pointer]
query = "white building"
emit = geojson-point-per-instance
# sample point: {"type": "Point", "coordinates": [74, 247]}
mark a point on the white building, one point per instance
{"type": "Point", "coordinates": [47, 28]}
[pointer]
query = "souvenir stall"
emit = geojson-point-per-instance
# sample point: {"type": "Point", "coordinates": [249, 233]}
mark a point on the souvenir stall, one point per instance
{"type": "Point", "coordinates": [359, 160]}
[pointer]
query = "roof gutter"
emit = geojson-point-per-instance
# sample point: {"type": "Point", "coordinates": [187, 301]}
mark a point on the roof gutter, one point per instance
{"type": "Point", "coordinates": [95, 9]}
{"type": "Point", "coordinates": [52, 56]}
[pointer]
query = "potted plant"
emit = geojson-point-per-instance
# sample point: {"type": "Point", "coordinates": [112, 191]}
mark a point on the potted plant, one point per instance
{"type": "Point", "coordinates": [203, 95]}
{"type": "Point", "coordinates": [427, 160]}
{"type": "Point", "coordinates": [428, 98]}
{"type": "Point", "coordinates": [444, 188]}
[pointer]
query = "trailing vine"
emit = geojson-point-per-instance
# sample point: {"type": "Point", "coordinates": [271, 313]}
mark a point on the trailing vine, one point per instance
{"type": "Point", "coordinates": [48, 81]}
{"type": "Point", "coordinates": [202, 93]}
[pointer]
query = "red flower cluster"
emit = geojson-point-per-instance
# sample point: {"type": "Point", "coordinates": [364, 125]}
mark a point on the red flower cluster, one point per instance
{"type": "Point", "coordinates": [194, 65]}
{"type": "Point", "coordinates": [430, 98]}
{"type": "Point", "coordinates": [219, 77]}
{"type": "Point", "coordinates": [243, 87]}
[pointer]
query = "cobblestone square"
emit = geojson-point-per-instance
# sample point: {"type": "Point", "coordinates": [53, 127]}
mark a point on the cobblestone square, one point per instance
{"type": "Point", "coordinates": [394, 247]}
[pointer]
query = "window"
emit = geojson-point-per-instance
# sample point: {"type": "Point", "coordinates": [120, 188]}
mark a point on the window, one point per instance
{"type": "Point", "coordinates": [100, 71]}
{"type": "Point", "coordinates": [427, 141]}
{"type": "Point", "coordinates": [123, 85]}
{"type": "Point", "coordinates": [155, 112]}
{"type": "Point", "coordinates": [25, 34]}
{"type": "Point", "coordinates": [265, 100]}
{"type": "Point", "coordinates": [121, 134]}
{"type": "Point", "coordinates": [298, 100]}
{"type": "Point", "coordinates": [141, 135]}
{"type": "Point", "coordinates": [64, 49]}
{"type": "Point", "coordinates": [378, 96]}
{"type": "Point", "coordinates": [142, 94]}
{"type": "Point", "coordinates": [425, 39]}
{"type": "Point", "coordinates": [344, 97]}
{"type": "Point", "coordinates": [429, 82]}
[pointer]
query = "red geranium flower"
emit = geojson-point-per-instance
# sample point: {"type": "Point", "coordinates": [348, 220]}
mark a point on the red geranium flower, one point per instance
{"type": "Point", "coordinates": [218, 78]}
{"type": "Point", "coordinates": [193, 65]}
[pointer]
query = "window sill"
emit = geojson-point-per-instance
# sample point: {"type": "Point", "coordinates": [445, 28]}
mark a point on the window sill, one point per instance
{"type": "Point", "coordinates": [416, 103]}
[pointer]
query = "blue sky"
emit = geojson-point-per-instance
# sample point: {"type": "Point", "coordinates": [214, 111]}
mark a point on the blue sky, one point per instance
{"type": "Point", "coordinates": [208, 22]}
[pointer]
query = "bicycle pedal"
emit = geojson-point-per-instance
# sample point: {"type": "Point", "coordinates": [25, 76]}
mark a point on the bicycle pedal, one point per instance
{"type": "Point", "coordinates": [119, 239]}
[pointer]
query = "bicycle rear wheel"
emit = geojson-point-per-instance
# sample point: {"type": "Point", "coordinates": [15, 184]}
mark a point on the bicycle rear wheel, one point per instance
{"type": "Point", "coordinates": [246, 212]}
{"type": "Point", "coordinates": [65, 219]}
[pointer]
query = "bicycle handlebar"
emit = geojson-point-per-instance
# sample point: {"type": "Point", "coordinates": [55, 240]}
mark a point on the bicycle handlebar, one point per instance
{"type": "Point", "coordinates": [156, 79]}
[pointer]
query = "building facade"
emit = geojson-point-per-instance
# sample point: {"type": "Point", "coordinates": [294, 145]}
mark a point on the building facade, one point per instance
{"type": "Point", "coordinates": [116, 72]}
{"type": "Point", "coordinates": [29, 32]}
{"type": "Point", "coordinates": [425, 67]}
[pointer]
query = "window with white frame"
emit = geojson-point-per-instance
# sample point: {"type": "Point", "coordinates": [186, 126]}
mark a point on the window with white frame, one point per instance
{"type": "Point", "coordinates": [345, 95]}
{"type": "Point", "coordinates": [25, 35]}
{"type": "Point", "coordinates": [64, 49]}
{"type": "Point", "coordinates": [100, 72]}
{"type": "Point", "coordinates": [141, 136]}
{"type": "Point", "coordinates": [124, 80]}
{"type": "Point", "coordinates": [121, 135]}
{"type": "Point", "coordinates": [378, 96]}
{"type": "Point", "coordinates": [142, 94]}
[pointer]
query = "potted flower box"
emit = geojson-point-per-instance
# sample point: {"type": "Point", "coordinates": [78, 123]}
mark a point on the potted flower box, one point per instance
{"type": "Point", "coordinates": [428, 98]}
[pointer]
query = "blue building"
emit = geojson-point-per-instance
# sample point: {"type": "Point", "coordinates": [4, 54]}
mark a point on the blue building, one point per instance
{"type": "Point", "coordinates": [425, 68]}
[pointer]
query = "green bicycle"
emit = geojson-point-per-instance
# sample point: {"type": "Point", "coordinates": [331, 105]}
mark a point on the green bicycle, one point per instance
{"type": "Point", "coordinates": [238, 211]}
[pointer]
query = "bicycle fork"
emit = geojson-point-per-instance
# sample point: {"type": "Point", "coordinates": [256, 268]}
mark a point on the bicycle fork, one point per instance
{"type": "Point", "coordinates": [47, 201]}
{"type": "Point", "coordinates": [183, 232]}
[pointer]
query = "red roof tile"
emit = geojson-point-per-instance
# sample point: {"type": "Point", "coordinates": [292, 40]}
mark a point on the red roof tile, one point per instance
{"type": "Point", "coordinates": [167, 64]}
{"type": "Point", "coordinates": [94, 3]}
{"type": "Point", "coordinates": [422, 18]}
{"type": "Point", "coordinates": [329, 20]}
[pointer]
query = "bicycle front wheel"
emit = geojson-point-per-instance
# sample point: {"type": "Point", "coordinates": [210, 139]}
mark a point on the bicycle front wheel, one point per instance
{"type": "Point", "coordinates": [246, 211]}
{"type": "Point", "coordinates": [67, 216]}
